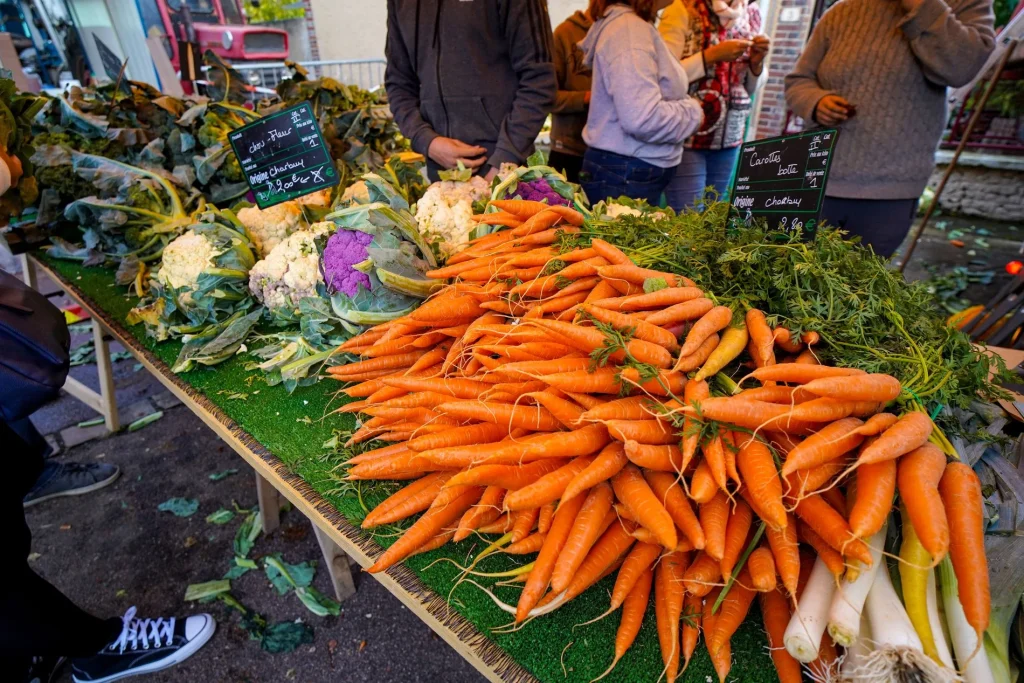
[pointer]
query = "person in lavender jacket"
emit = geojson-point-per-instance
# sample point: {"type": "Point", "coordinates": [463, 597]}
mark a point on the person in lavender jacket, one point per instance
{"type": "Point", "coordinates": [878, 71]}
{"type": "Point", "coordinates": [640, 108]}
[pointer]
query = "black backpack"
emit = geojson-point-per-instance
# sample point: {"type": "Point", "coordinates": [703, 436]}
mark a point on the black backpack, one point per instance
{"type": "Point", "coordinates": [34, 348]}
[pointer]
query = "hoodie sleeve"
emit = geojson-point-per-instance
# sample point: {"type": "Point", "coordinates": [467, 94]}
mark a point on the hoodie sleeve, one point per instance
{"type": "Point", "coordinates": [632, 80]}
{"type": "Point", "coordinates": [528, 34]}
{"type": "Point", "coordinates": [676, 30]}
{"type": "Point", "coordinates": [952, 41]}
{"type": "Point", "coordinates": [803, 92]}
{"type": "Point", "coordinates": [566, 101]}
{"type": "Point", "coordinates": [403, 87]}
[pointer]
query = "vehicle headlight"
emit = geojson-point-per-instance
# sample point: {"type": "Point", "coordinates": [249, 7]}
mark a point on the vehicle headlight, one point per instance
{"type": "Point", "coordinates": [227, 39]}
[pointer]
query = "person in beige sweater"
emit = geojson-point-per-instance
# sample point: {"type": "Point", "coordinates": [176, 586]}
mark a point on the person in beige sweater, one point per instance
{"type": "Point", "coordinates": [573, 98]}
{"type": "Point", "coordinates": [878, 71]}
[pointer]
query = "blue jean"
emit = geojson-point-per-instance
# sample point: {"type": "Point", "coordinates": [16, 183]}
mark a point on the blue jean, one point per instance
{"type": "Point", "coordinates": [606, 174]}
{"type": "Point", "coordinates": [701, 168]}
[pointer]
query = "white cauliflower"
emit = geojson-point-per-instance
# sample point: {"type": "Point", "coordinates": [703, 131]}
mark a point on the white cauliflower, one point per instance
{"type": "Point", "coordinates": [290, 272]}
{"type": "Point", "coordinates": [445, 212]}
{"type": "Point", "coordinates": [356, 191]}
{"type": "Point", "coordinates": [615, 210]}
{"type": "Point", "coordinates": [269, 227]}
{"type": "Point", "coordinates": [318, 198]}
{"type": "Point", "coordinates": [184, 259]}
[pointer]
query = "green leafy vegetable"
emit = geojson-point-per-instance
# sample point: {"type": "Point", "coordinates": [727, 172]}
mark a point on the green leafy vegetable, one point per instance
{"type": "Point", "coordinates": [180, 507]}
{"type": "Point", "coordinates": [209, 589]}
{"type": "Point", "coordinates": [221, 516]}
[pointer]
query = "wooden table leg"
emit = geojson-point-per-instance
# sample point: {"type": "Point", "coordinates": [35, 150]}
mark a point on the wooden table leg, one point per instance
{"type": "Point", "coordinates": [338, 566]}
{"type": "Point", "coordinates": [105, 370]}
{"type": "Point", "coordinates": [28, 271]}
{"type": "Point", "coordinates": [270, 504]}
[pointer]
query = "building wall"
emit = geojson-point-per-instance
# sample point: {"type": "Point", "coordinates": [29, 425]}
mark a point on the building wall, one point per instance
{"type": "Point", "coordinates": [983, 192]}
{"type": "Point", "coordinates": [788, 38]}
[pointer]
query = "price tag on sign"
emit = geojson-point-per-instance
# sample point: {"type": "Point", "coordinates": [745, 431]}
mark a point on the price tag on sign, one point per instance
{"type": "Point", "coordinates": [284, 156]}
{"type": "Point", "coordinates": [783, 180]}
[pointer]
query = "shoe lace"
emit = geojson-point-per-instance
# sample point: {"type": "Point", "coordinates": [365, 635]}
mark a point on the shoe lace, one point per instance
{"type": "Point", "coordinates": [143, 631]}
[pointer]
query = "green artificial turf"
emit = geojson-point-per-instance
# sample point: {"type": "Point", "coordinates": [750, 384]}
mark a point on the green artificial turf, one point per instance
{"type": "Point", "coordinates": [294, 428]}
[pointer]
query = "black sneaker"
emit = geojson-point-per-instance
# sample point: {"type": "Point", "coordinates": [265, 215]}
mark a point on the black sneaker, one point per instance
{"type": "Point", "coordinates": [70, 479]}
{"type": "Point", "coordinates": [144, 646]}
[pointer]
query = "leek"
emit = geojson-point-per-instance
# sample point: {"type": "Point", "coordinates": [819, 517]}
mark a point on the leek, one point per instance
{"type": "Point", "coordinates": [974, 665]}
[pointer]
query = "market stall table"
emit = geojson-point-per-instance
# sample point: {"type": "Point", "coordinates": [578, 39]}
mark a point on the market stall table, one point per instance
{"type": "Point", "coordinates": [339, 540]}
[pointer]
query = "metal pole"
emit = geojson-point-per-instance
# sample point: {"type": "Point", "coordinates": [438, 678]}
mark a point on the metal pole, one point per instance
{"type": "Point", "coordinates": [975, 116]}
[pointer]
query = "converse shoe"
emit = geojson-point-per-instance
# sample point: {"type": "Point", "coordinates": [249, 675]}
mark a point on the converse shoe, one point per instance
{"type": "Point", "coordinates": [144, 646]}
{"type": "Point", "coordinates": [70, 479]}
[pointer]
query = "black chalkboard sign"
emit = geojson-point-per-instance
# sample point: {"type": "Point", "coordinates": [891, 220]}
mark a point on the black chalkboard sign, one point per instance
{"type": "Point", "coordinates": [112, 64]}
{"type": "Point", "coordinates": [783, 179]}
{"type": "Point", "coordinates": [284, 156]}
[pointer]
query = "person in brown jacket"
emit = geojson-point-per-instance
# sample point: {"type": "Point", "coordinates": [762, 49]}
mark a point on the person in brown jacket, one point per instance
{"type": "Point", "coordinates": [570, 112]}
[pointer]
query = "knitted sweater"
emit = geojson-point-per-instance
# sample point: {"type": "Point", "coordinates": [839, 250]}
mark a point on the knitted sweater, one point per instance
{"type": "Point", "coordinates": [894, 66]}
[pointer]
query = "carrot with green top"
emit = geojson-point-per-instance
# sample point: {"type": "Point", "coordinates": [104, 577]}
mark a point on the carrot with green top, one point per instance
{"type": "Point", "coordinates": [656, 300]}
{"type": "Point", "coordinates": [641, 329]}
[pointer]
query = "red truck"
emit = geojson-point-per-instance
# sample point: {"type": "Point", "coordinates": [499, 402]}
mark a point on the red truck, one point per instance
{"type": "Point", "coordinates": [219, 26]}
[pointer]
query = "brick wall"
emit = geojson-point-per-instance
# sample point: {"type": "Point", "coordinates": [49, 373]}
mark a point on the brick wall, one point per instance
{"type": "Point", "coordinates": [788, 40]}
{"type": "Point", "coordinates": [314, 47]}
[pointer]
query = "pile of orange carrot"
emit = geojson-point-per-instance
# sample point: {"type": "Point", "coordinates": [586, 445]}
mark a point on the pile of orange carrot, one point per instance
{"type": "Point", "coordinates": [559, 400]}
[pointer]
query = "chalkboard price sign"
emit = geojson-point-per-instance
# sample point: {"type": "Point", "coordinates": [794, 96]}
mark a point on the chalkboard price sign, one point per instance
{"type": "Point", "coordinates": [112, 64]}
{"type": "Point", "coordinates": [783, 179]}
{"type": "Point", "coordinates": [284, 156]}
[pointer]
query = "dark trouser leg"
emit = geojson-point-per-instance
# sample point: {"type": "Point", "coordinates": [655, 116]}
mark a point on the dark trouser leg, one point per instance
{"type": "Point", "coordinates": [881, 224]}
{"type": "Point", "coordinates": [36, 619]}
{"type": "Point", "coordinates": [570, 164]}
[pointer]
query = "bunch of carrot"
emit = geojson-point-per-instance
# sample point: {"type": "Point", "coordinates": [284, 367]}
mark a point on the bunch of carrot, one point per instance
{"type": "Point", "coordinates": [543, 396]}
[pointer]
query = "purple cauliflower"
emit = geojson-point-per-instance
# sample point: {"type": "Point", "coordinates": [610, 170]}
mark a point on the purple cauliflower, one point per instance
{"type": "Point", "coordinates": [344, 249]}
{"type": "Point", "coordinates": [539, 190]}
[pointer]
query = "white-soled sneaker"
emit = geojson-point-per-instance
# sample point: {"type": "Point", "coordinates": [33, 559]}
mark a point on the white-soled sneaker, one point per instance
{"type": "Point", "coordinates": [144, 646]}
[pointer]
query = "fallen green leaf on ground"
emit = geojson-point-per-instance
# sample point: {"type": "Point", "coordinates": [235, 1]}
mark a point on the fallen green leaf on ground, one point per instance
{"type": "Point", "coordinates": [285, 636]}
{"type": "Point", "coordinates": [180, 507]}
{"type": "Point", "coordinates": [143, 421]}
{"type": "Point", "coordinates": [284, 576]}
{"type": "Point", "coordinates": [318, 603]}
{"type": "Point", "coordinates": [90, 423]}
{"type": "Point", "coordinates": [246, 535]}
{"type": "Point", "coordinates": [209, 589]}
{"type": "Point", "coordinates": [217, 476]}
{"type": "Point", "coordinates": [221, 516]}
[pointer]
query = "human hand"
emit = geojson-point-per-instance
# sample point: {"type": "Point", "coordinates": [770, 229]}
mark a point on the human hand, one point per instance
{"type": "Point", "coordinates": [448, 152]}
{"type": "Point", "coordinates": [726, 51]}
{"type": "Point", "coordinates": [832, 110]}
{"type": "Point", "coordinates": [489, 176]}
{"type": "Point", "coordinates": [758, 51]}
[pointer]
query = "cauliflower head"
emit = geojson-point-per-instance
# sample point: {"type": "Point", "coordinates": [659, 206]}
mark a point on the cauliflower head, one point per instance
{"type": "Point", "coordinates": [184, 259]}
{"type": "Point", "coordinates": [343, 251]}
{"type": "Point", "coordinates": [269, 227]}
{"type": "Point", "coordinates": [318, 198]}
{"type": "Point", "coordinates": [445, 212]}
{"type": "Point", "coordinates": [290, 272]}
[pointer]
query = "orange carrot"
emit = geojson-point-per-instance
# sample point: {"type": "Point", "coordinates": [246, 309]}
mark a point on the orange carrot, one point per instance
{"type": "Point", "coordinates": [714, 516]}
{"type": "Point", "coordinates": [831, 442]}
{"type": "Point", "coordinates": [776, 613]}
{"type": "Point", "coordinates": [829, 555]}
{"type": "Point", "coordinates": [548, 488]}
{"type": "Point", "coordinates": [702, 575]}
{"type": "Point", "coordinates": [670, 493]}
{"type": "Point", "coordinates": [801, 373]}
{"type": "Point", "coordinates": [426, 527]}
{"type": "Point", "coordinates": [641, 329]}
{"type": "Point", "coordinates": [566, 412]}
{"type": "Point", "coordinates": [605, 554]}
{"type": "Point", "coordinates": [702, 486]}
{"type": "Point", "coordinates": [757, 469]}
{"type": "Point", "coordinates": [832, 527]}
{"type": "Point", "coordinates": [502, 525]}
{"type": "Point", "coordinates": [606, 465]}
{"type": "Point", "coordinates": [761, 337]}
{"type": "Point", "coordinates": [918, 476]}
{"type": "Point", "coordinates": [658, 300]}
{"type": "Point", "coordinates": [637, 276]}
{"type": "Point", "coordinates": [876, 485]}
{"type": "Point", "coordinates": [547, 513]}
{"type": "Point", "coordinates": [736, 531]}
{"type": "Point", "coordinates": [639, 560]}
{"type": "Point", "coordinates": [786, 552]}
{"type": "Point", "coordinates": [668, 608]}
{"type": "Point", "coordinates": [585, 532]}
{"type": "Point", "coordinates": [694, 392]}
{"type": "Point", "coordinates": [910, 432]}
{"type": "Point", "coordinates": [527, 546]}
{"type": "Point", "coordinates": [352, 370]}
{"type": "Point", "coordinates": [761, 565]}
{"type": "Point", "coordinates": [544, 565]}
{"type": "Point", "coordinates": [509, 416]}
{"type": "Point", "coordinates": [660, 458]}
{"type": "Point", "coordinates": [523, 522]}
{"type": "Point", "coordinates": [653, 432]}
{"type": "Point", "coordinates": [715, 320]}
{"type": "Point", "coordinates": [484, 512]}
{"type": "Point", "coordinates": [588, 339]}
{"type": "Point", "coordinates": [609, 251]}
{"type": "Point", "coordinates": [964, 507]}
{"type": "Point", "coordinates": [633, 610]}
{"type": "Point", "coordinates": [732, 612]}
{"type": "Point", "coordinates": [416, 497]}
{"type": "Point", "coordinates": [630, 408]}
{"type": "Point", "coordinates": [692, 309]}
{"type": "Point", "coordinates": [714, 456]}
{"type": "Point", "coordinates": [456, 387]}
{"type": "Point", "coordinates": [609, 380]}
{"type": "Point", "coordinates": [692, 607]}
{"type": "Point", "coordinates": [875, 387]}
{"type": "Point", "coordinates": [632, 490]}
{"type": "Point", "coordinates": [377, 453]}
{"type": "Point", "coordinates": [506, 476]}
{"type": "Point", "coordinates": [740, 412]}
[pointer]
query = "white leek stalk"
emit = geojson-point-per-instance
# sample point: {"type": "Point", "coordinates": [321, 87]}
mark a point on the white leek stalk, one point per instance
{"type": "Point", "coordinates": [938, 632]}
{"type": "Point", "coordinates": [844, 615]}
{"type": "Point", "coordinates": [857, 653]}
{"type": "Point", "coordinates": [803, 634]}
{"type": "Point", "coordinates": [973, 662]}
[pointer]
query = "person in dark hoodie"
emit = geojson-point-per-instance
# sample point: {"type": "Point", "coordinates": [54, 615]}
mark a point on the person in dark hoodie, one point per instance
{"type": "Point", "coordinates": [570, 112]}
{"type": "Point", "coordinates": [470, 81]}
